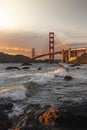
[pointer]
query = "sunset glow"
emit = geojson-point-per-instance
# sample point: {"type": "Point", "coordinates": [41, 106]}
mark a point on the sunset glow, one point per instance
{"type": "Point", "coordinates": [6, 18]}
{"type": "Point", "coordinates": [25, 24]}
{"type": "Point", "coordinates": [15, 51]}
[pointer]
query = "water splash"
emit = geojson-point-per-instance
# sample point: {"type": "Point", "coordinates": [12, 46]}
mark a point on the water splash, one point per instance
{"type": "Point", "coordinates": [43, 78]}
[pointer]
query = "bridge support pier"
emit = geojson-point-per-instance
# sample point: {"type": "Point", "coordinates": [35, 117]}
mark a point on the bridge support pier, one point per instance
{"type": "Point", "coordinates": [65, 56]}
{"type": "Point", "coordinates": [51, 47]}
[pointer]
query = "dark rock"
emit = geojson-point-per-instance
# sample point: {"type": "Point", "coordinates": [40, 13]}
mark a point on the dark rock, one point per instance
{"type": "Point", "coordinates": [68, 78]}
{"type": "Point", "coordinates": [25, 68]}
{"type": "Point", "coordinates": [5, 122]}
{"type": "Point", "coordinates": [67, 69]}
{"type": "Point", "coordinates": [39, 68]}
{"type": "Point", "coordinates": [46, 118]}
{"type": "Point", "coordinates": [49, 117]}
{"type": "Point", "coordinates": [6, 106]}
{"type": "Point", "coordinates": [12, 68]}
{"type": "Point", "coordinates": [26, 63]}
{"type": "Point", "coordinates": [32, 118]}
{"type": "Point", "coordinates": [77, 64]}
{"type": "Point", "coordinates": [77, 68]}
{"type": "Point", "coordinates": [73, 116]}
{"type": "Point", "coordinates": [72, 65]}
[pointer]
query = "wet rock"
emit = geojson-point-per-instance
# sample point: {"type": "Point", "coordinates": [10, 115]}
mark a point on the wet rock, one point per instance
{"type": "Point", "coordinates": [49, 117]}
{"type": "Point", "coordinates": [12, 68]}
{"type": "Point", "coordinates": [6, 106]}
{"type": "Point", "coordinates": [72, 65]}
{"type": "Point", "coordinates": [68, 78]}
{"type": "Point", "coordinates": [26, 68]}
{"type": "Point", "coordinates": [5, 122]}
{"type": "Point", "coordinates": [37, 118]}
{"type": "Point", "coordinates": [26, 63]}
{"type": "Point", "coordinates": [39, 68]}
{"type": "Point", "coordinates": [73, 116]}
{"type": "Point", "coordinates": [77, 68]}
{"type": "Point", "coordinates": [67, 69]}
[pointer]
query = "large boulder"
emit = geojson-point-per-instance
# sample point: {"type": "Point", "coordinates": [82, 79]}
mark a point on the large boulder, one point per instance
{"type": "Point", "coordinates": [13, 68]}
{"type": "Point", "coordinates": [66, 116]}
{"type": "Point", "coordinates": [5, 122]}
{"type": "Point", "coordinates": [73, 116]}
{"type": "Point", "coordinates": [6, 106]}
{"type": "Point", "coordinates": [26, 63]}
{"type": "Point", "coordinates": [39, 68]}
{"type": "Point", "coordinates": [49, 117]}
{"type": "Point", "coordinates": [26, 68]}
{"type": "Point", "coordinates": [37, 118]}
{"type": "Point", "coordinates": [68, 78]}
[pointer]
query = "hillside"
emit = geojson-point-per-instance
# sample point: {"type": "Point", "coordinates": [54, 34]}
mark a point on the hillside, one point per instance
{"type": "Point", "coordinates": [6, 58]}
{"type": "Point", "coordinates": [81, 60]}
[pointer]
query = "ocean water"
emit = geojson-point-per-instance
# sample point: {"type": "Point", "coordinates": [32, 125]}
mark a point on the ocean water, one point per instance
{"type": "Point", "coordinates": [45, 86]}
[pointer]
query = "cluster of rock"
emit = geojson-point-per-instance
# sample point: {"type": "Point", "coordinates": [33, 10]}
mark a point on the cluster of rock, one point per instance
{"type": "Point", "coordinates": [81, 60]}
{"type": "Point", "coordinates": [25, 67]}
{"type": "Point", "coordinates": [36, 117]}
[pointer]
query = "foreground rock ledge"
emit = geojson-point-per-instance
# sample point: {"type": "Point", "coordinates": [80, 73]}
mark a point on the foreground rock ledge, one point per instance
{"type": "Point", "coordinates": [5, 122]}
{"type": "Point", "coordinates": [37, 118]}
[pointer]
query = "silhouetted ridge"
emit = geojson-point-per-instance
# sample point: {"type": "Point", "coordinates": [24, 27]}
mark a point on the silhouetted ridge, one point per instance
{"type": "Point", "coordinates": [6, 58]}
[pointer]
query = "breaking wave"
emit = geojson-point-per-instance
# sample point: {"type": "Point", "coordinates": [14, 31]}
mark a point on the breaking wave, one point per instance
{"type": "Point", "coordinates": [43, 78]}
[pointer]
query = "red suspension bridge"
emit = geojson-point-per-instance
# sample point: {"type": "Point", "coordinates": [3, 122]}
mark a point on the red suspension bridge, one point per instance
{"type": "Point", "coordinates": [67, 54]}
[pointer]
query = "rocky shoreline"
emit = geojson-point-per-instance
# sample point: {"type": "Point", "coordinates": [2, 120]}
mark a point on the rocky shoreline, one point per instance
{"type": "Point", "coordinates": [36, 117]}
{"type": "Point", "coordinates": [81, 60]}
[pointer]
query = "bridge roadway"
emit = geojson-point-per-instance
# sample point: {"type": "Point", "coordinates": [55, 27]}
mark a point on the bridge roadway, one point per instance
{"type": "Point", "coordinates": [60, 52]}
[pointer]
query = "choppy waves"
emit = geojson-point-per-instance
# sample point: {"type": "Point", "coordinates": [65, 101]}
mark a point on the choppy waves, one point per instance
{"type": "Point", "coordinates": [18, 92]}
{"type": "Point", "coordinates": [46, 86]}
{"type": "Point", "coordinates": [43, 78]}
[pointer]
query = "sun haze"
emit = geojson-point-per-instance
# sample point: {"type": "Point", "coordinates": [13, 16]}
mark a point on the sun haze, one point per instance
{"type": "Point", "coordinates": [26, 23]}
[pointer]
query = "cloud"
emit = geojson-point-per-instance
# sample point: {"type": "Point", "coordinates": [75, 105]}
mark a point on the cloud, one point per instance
{"type": "Point", "coordinates": [23, 39]}
{"type": "Point", "coordinates": [73, 36]}
{"type": "Point", "coordinates": [23, 42]}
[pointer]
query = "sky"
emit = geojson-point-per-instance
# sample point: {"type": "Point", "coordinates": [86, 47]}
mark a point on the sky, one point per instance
{"type": "Point", "coordinates": [25, 24]}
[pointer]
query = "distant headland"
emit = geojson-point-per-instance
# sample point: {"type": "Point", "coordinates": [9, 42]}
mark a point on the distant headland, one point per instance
{"type": "Point", "coordinates": [6, 58]}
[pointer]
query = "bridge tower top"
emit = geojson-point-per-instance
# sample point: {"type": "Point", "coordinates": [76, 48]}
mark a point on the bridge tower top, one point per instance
{"type": "Point", "coordinates": [51, 47]}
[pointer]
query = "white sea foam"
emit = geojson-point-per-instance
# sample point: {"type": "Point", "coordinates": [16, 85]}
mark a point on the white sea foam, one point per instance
{"type": "Point", "coordinates": [43, 78]}
{"type": "Point", "coordinates": [14, 93]}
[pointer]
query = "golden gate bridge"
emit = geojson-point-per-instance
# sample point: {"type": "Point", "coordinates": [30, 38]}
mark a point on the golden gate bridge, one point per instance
{"type": "Point", "coordinates": [68, 54]}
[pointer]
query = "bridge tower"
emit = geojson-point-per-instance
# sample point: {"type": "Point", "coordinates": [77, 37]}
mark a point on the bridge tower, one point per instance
{"type": "Point", "coordinates": [33, 52]}
{"type": "Point", "coordinates": [51, 47]}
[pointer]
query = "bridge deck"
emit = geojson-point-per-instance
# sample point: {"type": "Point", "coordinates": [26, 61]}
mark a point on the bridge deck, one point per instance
{"type": "Point", "coordinates": [60, 52]}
